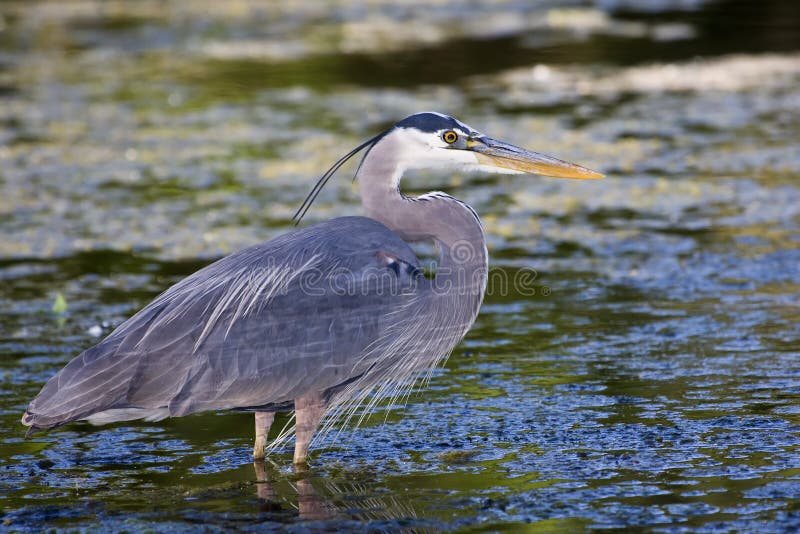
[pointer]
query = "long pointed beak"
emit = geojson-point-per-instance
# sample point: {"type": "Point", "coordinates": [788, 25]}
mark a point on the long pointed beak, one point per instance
{"type": "Point", "coordinates": [496, 153]}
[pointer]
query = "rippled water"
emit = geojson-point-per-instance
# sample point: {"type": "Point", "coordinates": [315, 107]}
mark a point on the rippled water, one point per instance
{"type": "Point", "coordinates": [652, 380]}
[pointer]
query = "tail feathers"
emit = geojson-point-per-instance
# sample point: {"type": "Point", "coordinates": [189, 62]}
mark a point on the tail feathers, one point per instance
{"type": "Point", "coordinates": [54, 407]}
{"type": "Point", "coordinates": [36, 422]}
{"type": "Point", "coordinates": [27, 420]}
{"type": "Point", "coordinates": [112, 415]}
{"type": "Point", "coordinates": [94, 381]}
{"type": "Point", "coordinates": [34, 425]}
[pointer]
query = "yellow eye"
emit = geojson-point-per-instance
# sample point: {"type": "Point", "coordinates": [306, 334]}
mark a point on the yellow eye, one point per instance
{"type": "Point", "coordinates": [450, 137]}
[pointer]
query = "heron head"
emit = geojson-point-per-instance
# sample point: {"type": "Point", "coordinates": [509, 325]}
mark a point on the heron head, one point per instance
{"type": "Point", "coordinates": [434, 140]}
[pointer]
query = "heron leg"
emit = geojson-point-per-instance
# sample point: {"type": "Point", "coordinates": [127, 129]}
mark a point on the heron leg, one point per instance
{"type": "Point", "coordinates": [308, 412]}
{"type": "Point", "coordinates": [263, 422]}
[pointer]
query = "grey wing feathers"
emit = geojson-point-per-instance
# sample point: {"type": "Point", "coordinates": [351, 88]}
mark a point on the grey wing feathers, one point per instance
{"type": "Point", "coordinates": [254, 329]}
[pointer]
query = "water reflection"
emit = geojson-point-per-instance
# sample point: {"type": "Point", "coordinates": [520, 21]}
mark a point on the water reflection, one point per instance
{"type": "Point", "coordinates": [318, 498]}
{"type": "Point", "coordinates": [311, 505]}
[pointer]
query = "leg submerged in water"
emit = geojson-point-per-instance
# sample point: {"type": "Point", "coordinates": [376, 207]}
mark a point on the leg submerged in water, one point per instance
{"type": "Point", "coordinates": [308, 412]}
{"type": "Point", "coordinates": [263, 422]}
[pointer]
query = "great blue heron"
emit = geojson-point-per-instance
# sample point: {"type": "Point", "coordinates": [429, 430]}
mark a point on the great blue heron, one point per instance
{"type": "Point", "coordinates": [316, 320]}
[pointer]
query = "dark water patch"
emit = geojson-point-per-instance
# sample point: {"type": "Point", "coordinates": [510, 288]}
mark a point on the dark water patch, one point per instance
{"type": "Point", "coordinates": [718, 32]}
{"type": "Point", "coordinates": [767, 24]}
{"type": "Point", "coordinates": [8, 90]}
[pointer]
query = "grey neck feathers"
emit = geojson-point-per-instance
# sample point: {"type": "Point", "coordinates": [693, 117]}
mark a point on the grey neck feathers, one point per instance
{"type": "Point", "coordinates": [450, 223]}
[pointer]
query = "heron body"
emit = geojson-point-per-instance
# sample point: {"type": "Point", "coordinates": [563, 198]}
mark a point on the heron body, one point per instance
{"type": "Point", "coordinates": [319, 320]}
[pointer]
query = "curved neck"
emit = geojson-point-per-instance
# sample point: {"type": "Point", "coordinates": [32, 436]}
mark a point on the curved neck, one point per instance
{"type": "Point", "coordinates": [453, 225]}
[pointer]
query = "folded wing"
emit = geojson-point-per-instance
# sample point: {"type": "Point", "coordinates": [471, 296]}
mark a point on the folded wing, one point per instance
{"type": "Point", "coordinates": [253, 330]}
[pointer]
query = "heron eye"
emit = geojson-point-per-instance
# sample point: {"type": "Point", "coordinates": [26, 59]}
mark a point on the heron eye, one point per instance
{"type": "Point", "coordinates": [450, 137]}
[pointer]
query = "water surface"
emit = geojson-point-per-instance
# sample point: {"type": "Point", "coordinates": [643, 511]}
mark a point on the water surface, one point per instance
{"type": "Point", "coordinates": [651, 380]}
